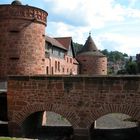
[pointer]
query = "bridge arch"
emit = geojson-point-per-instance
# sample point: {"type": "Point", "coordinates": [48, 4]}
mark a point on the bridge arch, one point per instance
{"type": "Point", "coordinates": [65, 111]}
{"type": "Point", "coordinates": [102, 110]}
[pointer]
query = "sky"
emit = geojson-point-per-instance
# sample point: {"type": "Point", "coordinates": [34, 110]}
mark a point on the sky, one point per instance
{"type": "Point", "coordinates": [114, 24]}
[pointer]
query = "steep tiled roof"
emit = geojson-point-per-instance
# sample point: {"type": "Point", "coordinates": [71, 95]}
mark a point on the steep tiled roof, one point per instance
{"type": "Point", "coordinates": [90, 48]}
{"type": "Point", "coordinates": [89, 45]}
{"type": "Point", "coordinates": [55, 43]}
{"type": "Point", "coordinates": [65, 41]}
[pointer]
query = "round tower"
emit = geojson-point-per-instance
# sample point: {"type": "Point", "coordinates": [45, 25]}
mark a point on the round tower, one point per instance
{"type": "Point", "coordinates": [22, 39]}
{"type": "Point", "coordinates": [91, 60]}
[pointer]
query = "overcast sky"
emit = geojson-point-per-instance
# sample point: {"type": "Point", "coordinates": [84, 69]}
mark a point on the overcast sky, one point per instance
{"type": "Point", "coordinates": [114, 24]}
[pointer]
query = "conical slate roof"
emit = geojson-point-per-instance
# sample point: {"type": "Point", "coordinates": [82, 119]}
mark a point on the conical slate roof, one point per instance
{"type": "Point", "coordinates": [90, 48]}
{"type": "Point", "coordinates": [89, 45]}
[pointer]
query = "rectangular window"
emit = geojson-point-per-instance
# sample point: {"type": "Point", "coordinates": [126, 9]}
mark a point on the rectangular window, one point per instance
{"type": "Point", "coordinates": [59, 53]}
{"type": "Point", "coordinates": [63, 70]}
{"type": "Point", "coordinates": [52, 71]}
{"type": "Point", "coordinates": [47, 70]}
{"type": "Point", "coordinates": [58, 66]}
{"type": "Point", "coordinates": [55, 66]}
{"type": "Point", "coordinates": [70, 60]}
{"type": "Point", "coordinates": [52, 50]}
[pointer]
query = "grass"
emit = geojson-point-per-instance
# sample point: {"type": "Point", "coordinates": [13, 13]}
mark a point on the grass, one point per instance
{"type": "Point", "coordinates": [7, 138]}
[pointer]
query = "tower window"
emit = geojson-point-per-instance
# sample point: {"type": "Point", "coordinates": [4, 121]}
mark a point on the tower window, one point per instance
{"type": "Point", "coordinates": [14, 58]}
{"type": "Point", "coordinates": [14, 31]}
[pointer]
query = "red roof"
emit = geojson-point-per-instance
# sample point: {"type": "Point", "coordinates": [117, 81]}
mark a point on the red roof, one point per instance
{"type": "Point", "coordinates": [65, 41]}
{"type": "Point", "coordinates": [55, 43]}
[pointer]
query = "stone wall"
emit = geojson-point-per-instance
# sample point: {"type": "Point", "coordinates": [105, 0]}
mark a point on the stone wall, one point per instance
{"type": "Point", "coordinates": [81, 100]}
{"type": "Point", "coordinates": [58, 66]}
{"type": "Point", "coordinates": [96, 65]}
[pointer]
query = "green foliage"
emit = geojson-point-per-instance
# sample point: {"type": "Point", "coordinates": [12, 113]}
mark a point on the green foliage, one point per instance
{"type": "Point", "coordinates": [125, 55]}
{"type": "Point", "coordinates": [122, 71]}
{"type": "Point", "coordinates": [105, 52]}
{"type": "Point", "coordinates": [131, 67]}
{"type": "Point", "coordinates": [77, 47]}
{"type": "Point", "coordinates": [114, 56]}
{"type": "Point", "coordinates": [8, 138]}
{"type": "Point", "coordinates": [138, 67]}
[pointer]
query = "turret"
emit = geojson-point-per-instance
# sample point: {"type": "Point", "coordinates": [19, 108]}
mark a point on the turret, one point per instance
{"type": "Point", "coordinates": [91, 60]}
{"type": "Point", "coordinates": [22, 39]}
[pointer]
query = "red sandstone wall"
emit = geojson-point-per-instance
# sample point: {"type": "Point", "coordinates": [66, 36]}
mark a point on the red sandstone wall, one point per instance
{"type": "Point", "coordinates": [22, 40]}
{"type": "Point", "coordinates": [65, 66]}
{"type": "Point", "coordinates": [81, 100]}
{"type": "Point", "coordinates": [95, 65]}
{"type": "Point", "coordinates": [85, 98]}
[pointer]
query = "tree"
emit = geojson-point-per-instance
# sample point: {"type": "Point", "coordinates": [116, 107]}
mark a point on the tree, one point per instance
{"type": "Point", "coordinates": [105, 52]}
{"type": "Point", "coordinates": [138, 62]}
{"type": "Point", "coordinates": [77, 47]}
{"type": "Point", "coordinates": [125, 55]}
{"type": "Point", "coordinates": [131, 67]}
{"type": "Point", "coordinates": [114, 56]}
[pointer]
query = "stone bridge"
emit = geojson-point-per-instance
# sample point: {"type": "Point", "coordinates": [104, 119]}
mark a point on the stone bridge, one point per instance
{"type": "Point", "coordinates": [80, 99]}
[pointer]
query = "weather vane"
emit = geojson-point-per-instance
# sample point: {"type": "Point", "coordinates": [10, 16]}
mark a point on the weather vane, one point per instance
{"type": "Point", "coordinates": [90, 33]}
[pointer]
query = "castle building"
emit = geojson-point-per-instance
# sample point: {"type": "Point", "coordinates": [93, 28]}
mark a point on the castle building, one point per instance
{"type": "Point", "coordinates": [91, 60]}
{"type": "Point", "coordinates": [25, 49]}
{"type": "Point", "coordinates": [60, 56]}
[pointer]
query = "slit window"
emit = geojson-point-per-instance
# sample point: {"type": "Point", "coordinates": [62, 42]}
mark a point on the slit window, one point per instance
{"type": "Point", "coordinates": [14, 58]}
{"type": "Point", "coordinates": [14, 31]}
